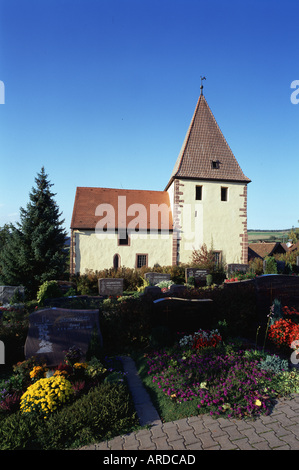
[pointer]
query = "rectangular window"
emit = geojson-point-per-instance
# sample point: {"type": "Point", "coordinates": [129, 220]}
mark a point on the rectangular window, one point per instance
{"type": "Point", "coordinates": [224, 194]}
{"type": "Point", "coordinates": [198, 193]}
{"type": "Point", "coordinates": [123, 238]}
{"type": "Point", "coordinates": [141, 260]}
{"type": "Point", "coordinates": [217, 258]}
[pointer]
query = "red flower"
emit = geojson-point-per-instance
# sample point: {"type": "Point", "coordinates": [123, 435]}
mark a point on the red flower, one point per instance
{"type": "Point", "coordinates": [283, 332]}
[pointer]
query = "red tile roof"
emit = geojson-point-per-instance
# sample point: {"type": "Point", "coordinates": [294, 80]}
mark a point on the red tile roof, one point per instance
{"type": "Point", "coordinates": [88, 199]}
{"type": "Point", "coordinates": [263, 249]}
{"type": "Point", "coordinates": [204, 144]}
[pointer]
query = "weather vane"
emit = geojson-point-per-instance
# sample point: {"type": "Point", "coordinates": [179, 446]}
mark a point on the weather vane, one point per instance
{"type": "Point", "coordinates": [201, 86]}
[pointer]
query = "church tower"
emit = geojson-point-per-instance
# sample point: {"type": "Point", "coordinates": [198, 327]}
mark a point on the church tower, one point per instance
{"type": "Point", "coordinates": [208, 194]}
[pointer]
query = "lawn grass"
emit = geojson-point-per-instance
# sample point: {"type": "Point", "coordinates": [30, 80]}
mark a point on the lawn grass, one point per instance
{"type": "Point", "coordinates": [168, 410]}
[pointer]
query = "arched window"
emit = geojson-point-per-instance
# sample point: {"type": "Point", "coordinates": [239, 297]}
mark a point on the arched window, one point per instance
{"type": "Point", "coordinates": [116, 261]}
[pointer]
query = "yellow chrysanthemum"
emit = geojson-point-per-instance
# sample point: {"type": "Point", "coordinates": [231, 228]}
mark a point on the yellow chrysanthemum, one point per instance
{"type": "Point", "coordinates": [46, 395]}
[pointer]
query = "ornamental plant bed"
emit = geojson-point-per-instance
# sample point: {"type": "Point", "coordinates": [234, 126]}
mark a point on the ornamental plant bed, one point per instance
{"type": "Point", "coordinates": [283, 328]}
{"type": "Point", "coordinates": [67, 406]}
{"type": "Point", "coordinates": [201, 374]}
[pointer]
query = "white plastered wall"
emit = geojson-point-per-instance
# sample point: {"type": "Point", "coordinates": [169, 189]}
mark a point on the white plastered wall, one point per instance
{"type": "Point", "coordinates": [211, 221]}
{"type": "Point", "coordinates": [96, 251]}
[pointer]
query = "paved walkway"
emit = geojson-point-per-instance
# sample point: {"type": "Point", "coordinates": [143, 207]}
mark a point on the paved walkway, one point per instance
{"type": "Point", "coordinates": [278, 431]}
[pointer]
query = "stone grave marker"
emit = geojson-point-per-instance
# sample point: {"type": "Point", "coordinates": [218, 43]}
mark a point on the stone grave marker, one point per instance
{"type": "Point", "coordinates": [198, 274]}
{"type": "Point", "coordinates": [280, 266]}
{"type": "Point", "coordinates": [153, 291]}
{"type": "Point", "coordinates": [242, 268]}
{"type": "Point", "coordinates": [53, 331]}
{"type": "Point", "coordinates": [179, 315]}
{"type": "Point", "coordinates": [154, 278]}
{"type": "Point", "coordinates": [111, 286]}
{"type": "Point", "coordinates": [7, 292]}
{"type": "Point", "coordinates": [176, 289]}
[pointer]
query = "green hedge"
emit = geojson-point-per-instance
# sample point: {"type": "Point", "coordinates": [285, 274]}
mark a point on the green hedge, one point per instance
{"type": "Point", "coordinates": [106, 411]}
{"type": "Point", "coordinates": [87, 284]}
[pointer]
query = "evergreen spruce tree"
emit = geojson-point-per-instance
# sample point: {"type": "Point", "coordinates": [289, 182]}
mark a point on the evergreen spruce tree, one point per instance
{"type": "Point", "coordinates": [11, 273]}
{"type": "Point", "coordinates": [34, 252]}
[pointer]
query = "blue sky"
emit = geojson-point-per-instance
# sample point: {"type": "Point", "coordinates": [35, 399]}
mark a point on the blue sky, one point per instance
{"type": "Point", "coordinates": [101, 93]}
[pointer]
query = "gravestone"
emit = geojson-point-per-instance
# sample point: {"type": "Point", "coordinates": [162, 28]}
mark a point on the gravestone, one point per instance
{"type": "Point", "coordinates": [7, 292]}
{"type": "Point", "coordinates": [154, 278]}
{"type": "Point", "coordinates": [176, 289]}
{"type": "Point", "coordinates": [200, 276]}
{"type": "Point", "coordinates": [153, 291]}
{"type": "Point", "coordinates": [267, 288]}
{"type": "Point", "coordinates": [234, 267]}
{"type": "Point", "coordinates": [280, 266]}
{"type": "Point", "coordinates": [278, 286]}
{"type": "Point", "coordinates": [53, 331]}
{"type": "Point", "coordinates": [182, 315]}
{"type": "Point", "coordinates": [65, 286]}
{"type": "Point", "coordinates": [111, 286]}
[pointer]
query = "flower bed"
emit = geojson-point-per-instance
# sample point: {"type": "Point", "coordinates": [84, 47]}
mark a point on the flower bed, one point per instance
{"type": "Point", "coordinates": [283, 329]}
{"type": "Point", "coordinates": [283, 333]}
{"type": "Point", "coordinates": [201, 339]}
{"type": "Point", "coordinates": [89, 400]}
{"type": "Point", "coordinates": [221, 380]}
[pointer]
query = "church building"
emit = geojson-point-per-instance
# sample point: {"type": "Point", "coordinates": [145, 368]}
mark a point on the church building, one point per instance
{"type": "Point", "coordinates": [204, 202]}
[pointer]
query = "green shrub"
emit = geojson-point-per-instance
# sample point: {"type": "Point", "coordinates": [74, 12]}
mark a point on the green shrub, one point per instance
{"type": "Point", "coordinates": [191, 281]}
{"type": "Point", "coordinates": [17, 431]}
{"type": "Point", "coordinates": [209, 279]}
{"type": "Point", "coordinates": [271, 266]}
{"type": "Point", "coordinates": [48, 290]}
{"type": "Point", "coordinates": [256, 266]}
{"type": "Point", "coordinates": [255, 355]}
{"type": "Point", "coordinates": [95, 368]}
{"type": "Point", "coordinates": [274, 364]}
{"type": "Point", "coordinates": [125, 324]}
{"type": "Point", "coordinates": [165, 284]}
{"type": "Point", "coordinates": [106, 411]}
{"type": "Point", "coordinates": [286, 382]}
{"type": "Point", "coordinates": [87, 284]}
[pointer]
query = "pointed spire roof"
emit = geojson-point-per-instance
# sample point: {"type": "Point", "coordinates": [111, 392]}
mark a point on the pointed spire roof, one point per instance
{"type": "Point", "coordinates": [205, 153]}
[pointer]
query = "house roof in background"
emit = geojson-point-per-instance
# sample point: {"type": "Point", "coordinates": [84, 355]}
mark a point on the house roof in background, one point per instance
{"type": "Point", "coordinates": [263, 249]}
{"type": "Point", "coordinates": [122, 206]}
{"type": "Point", "coordinates": [204, 144]}
{"type": "Point", "coordinates": [294, 247]}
